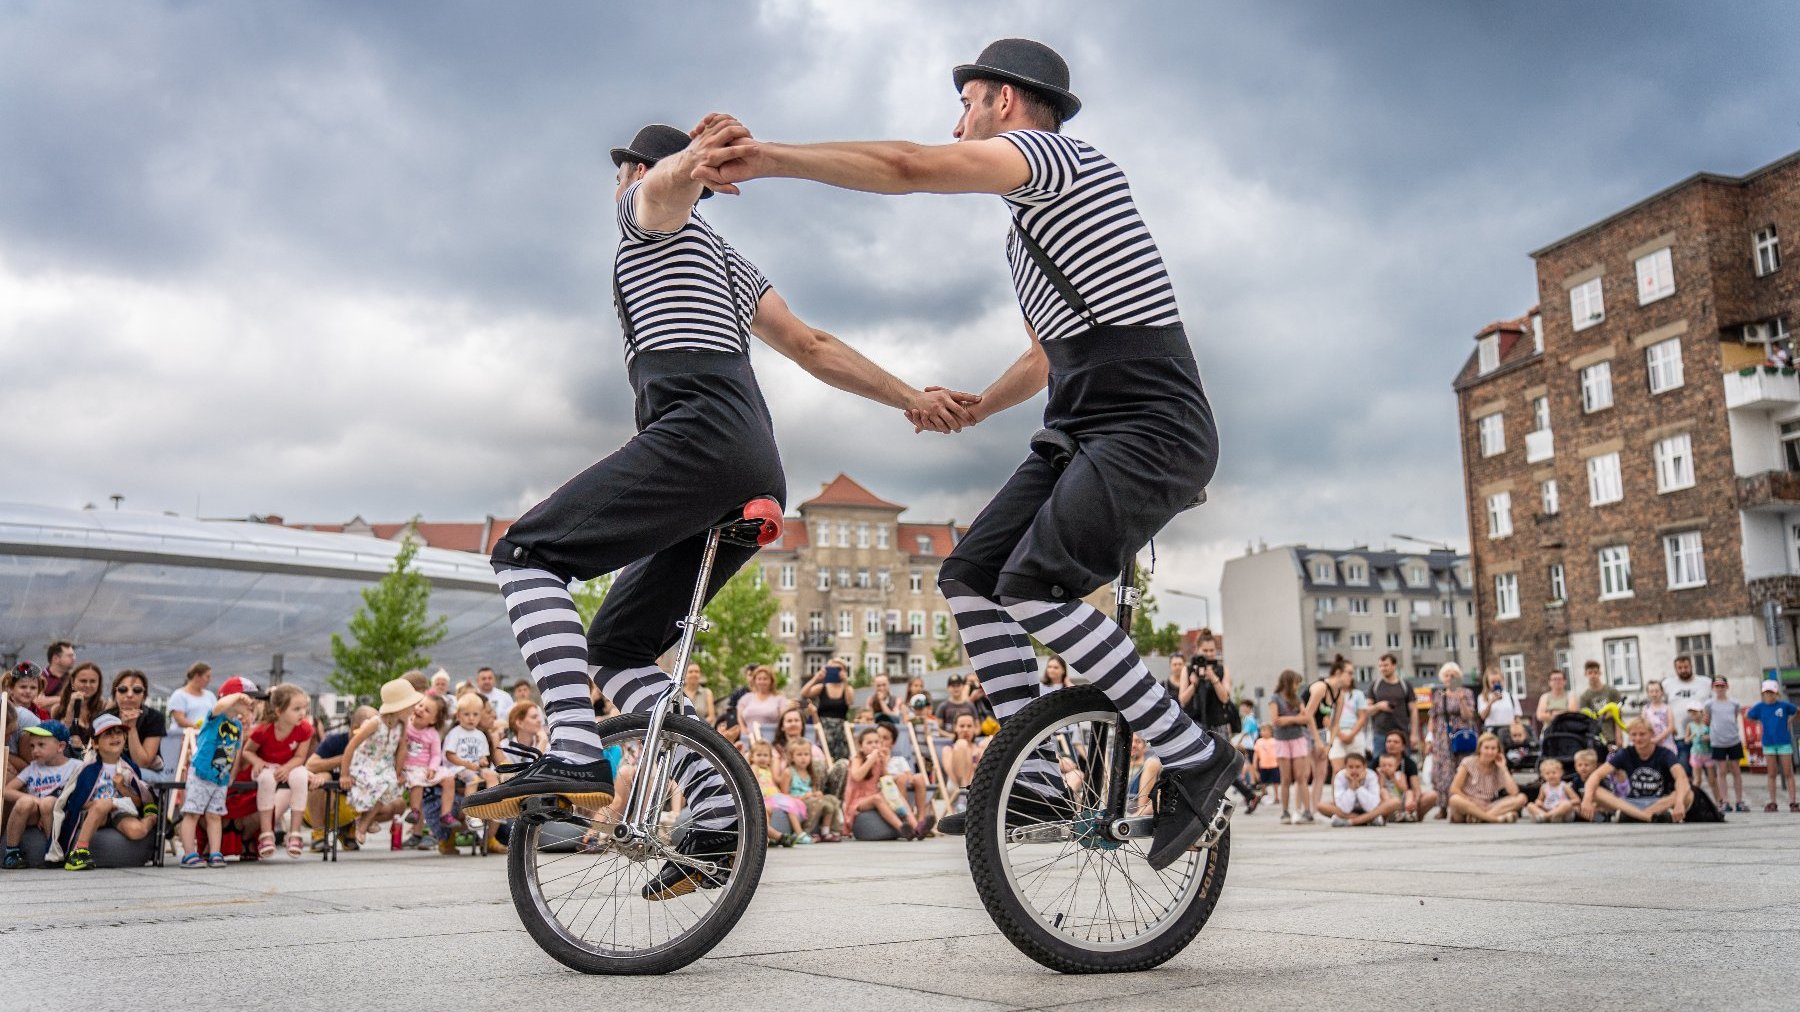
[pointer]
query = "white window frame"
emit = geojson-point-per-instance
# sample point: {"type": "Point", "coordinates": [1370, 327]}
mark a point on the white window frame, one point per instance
{"type": "Point", "coordinates": [1663, 362]}
{"type": "Point", "coordinates": [915, 623]}
{"type": "Point", "coordinates": [824, 578]}
{"type": "Point", "coordinates": [871, 622]}
{"type": "Point", "coordinates": [1359, 606]}
{"type": "Point", "coordinates": [843, 534]}
{"type": "Point", "coordinates": [843, 576]}
{"type": "Point", "coordinates": [1605, 483]}
{"type": "Point", "coordinates": [1622, 664]}
{"type": "Point", "coordinates": [1615, 572]}
{"type": "Point", "coordinates": [872, 663]}
{"type": "Point", "coordinates": [1540, 414]}
{"type": "Point", "coordinates": [862, 535]}
{"type": "Point", "coordinates": [1492, 431]}
{"type": "Point", "coordinates": [789, 624]}
{"type": "Point", "coordinates": [1390, 606]}
{"type": "Point", "coordinates": [1424, 639]}
{"type": "Point", "coordinates": [1552, 504]}
{"type": "Point", "coordinates": [1684, 553]}
{"type": "Point", "coordinates": [1393, 641]}
{"type": "Point", "coordinates": [1655, 275]}
{"type": "Point", "coordinates": [1675, 462]}
{"type": "Point", "coordinates": [915, 666]}
{"type": "Point", "coordinates": [881, 536]}
{"type": "Point", "coordinates": [1324, 605]}
{"type": "Point", "coordinates": [915, 581]}
{"type": "Point", "coordinates": [846, 622]}
{"type": "Point", "coordinates": [1596, 387]}
{"type": "Point", "coordinates": [1537, 333]}
{"type": "Point", "coordinates": [787, 576]}
{"type": "Point", "coordinates": [1559, 583]}
{"type": "Point", "coordinates": [1587, 304]}
{"type": "Point", "coordinates": [1765, 247]}
{"type": "Point", "coordinates": [1362, 640]}
{"type": "Point", "coordinates": [1323, 572]}
{"type": "Point", "coordinates": [1421, 608]}
{"type": "Point", "coordinates": [940, 624]}
{"type": "Point", "coordinates": [1487, 354]}
{"type": "Point", "coordinates": [1512, 672]}
{"type": "Point", "coordinates": [1506, 596]}
{"type": "Point", "coordinates": [891, 621]}
{"type": "Point", "coordinates": [1355, 572]}
{"type": "Point", "coordinates": [1499, 515]}
{"type": "Point", "coordinates": [862, 579]}
{"type": "Point", "coordinates": [784, 665]}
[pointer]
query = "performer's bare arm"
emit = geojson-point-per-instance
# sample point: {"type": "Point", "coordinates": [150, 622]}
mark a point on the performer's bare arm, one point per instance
{"type": "Point", "coordinates": [667, 197]}
{"type": "Point", "coordinates": [728, 155]}
{"type": "Point", "coordinates": [842, 366]}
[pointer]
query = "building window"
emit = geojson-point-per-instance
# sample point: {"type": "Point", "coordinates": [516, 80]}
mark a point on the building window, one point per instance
{"type": "Point", "coordinates": [1389, 606]}
{"type": "Point", "coordinates": [1537, 333]}
{"type": "Point", "coordinates": [1604, 484]}
{"type": "Point", "coordinates": [940, 625]}
{"type": "Point", "coordinates": [915, 665]}
{"type": "Point", "coordinates": [824, 578]}
{"type": "Point", "coordinates": [872, 664]}
{"type": "Point", "coordinates": [893, 621]}
{"type": "Point", "coordinates": [1655, 276]}
{"type": "Point", "coordinates": [1365, 673]}
{"type": "Point", "coordinates": [843, 534]}
{"type": "Point", "coordinates": [1355, 572]}
{"type": "Point", "coordinates": [1559, 587]}
{"type": "Point", "coordinates": [787, 623]}
{"type": "Point", "coordinates": [1499, 510]}
{"type": "Point", "coordinates": [1615, 572]}
{"type": "Point", "coordinates": [915, 623]}
{"type": "Point", "coordinates": [1674, 463]}
{"type": "Point", "coordinates": [1697, 649]}
{"type": "Point", "coordinates": [1596, 387]}
{"type": "Point", "coordinates": [1424, 640]}
{"type": "Point", "coordinates": [1322, 572]}
{"type": "Point", "coordinates": [815, 621]}
{"type": "Point", "coordinates": [1488, 354]}
{"type": "Point", "coordinates": [1790, 444]}
{"type": "Point", "coordinates": [1416, 576]}
{"type": "Point", "coordinates": [1359, 606]}
{"type": "Point", "coordinates": [1324, 605]}
{"type": "Point", "coordinates": [881, 536]}
{"type": "Point", "coordinates": [1768, 251]}
{"type": "Point", "coordinates": [883, 581]}
{"type": "Point", "coordinates": [1326, 639]}
{"type": "Point", "coordinates": [1586, 306]}
{"type": "Point", "coordinates": [1393, 641]}
{"type": "Point", "coordinates": [1512, 670]}
{"type": "Point", "coordinates": [1492, 429]}
{"type": "Point", "coordinates": [1687, 562]}
{"type": "Point", "coordinates": [1421, 609]}
{"type": "Point", "coordinates": [923, 544]}
{"type": "Point", "coordinates": [846, 623]}
{"type": "Point", "coordinates": [1551, 505]}
{"type": "Point", "coordinates": [759, 576]}
{"type": "Point", "coordinates": [1362, 641]}
{"type": "Point", "coordinates": [784, 665]}
{"type": "Point", "coordinates": [1506, 596]}
{"type": "Point", "coordinates": [1540, 414]}
{"type": "Point", "coordinates": [1664, 361]}
{"type": "Point", "coordinates": [871, 622]}
{"type": "Point", "coordinates": [862, 579]}
{"type": "Point", "coordinates": [843, 576]}
{"type": "Point", "coordinates": [787, 576]}
{"type": "Point", "coordinates": [1621, 658]}
{"type": "Point", "coordinates": [862, 535]}
{"type": "Point", "coordinates": [915, 582]}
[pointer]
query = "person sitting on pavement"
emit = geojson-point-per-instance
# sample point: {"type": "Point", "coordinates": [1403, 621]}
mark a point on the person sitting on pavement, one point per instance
{"type": "Point", "coordinates": [1424, 799]}
{"type": "Point", "coordinates": [1481, 780]}
{"type": "Point", "coordinates": [1396, 787]}
{"type": "Point", "coordinates": [108, 791]}
{"type": "Point", "coordinates": [1556, 800]}
{"type": "Point", "coordinates": [1356, 798]}
{"type": "Point", "coordinates": [1657, 787]}
{"type": "Point", "coordinates": [31, 795]}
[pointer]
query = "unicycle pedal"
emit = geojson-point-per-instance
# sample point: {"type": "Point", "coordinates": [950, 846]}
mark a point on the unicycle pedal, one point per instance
{"type": "Point", "coordinates": [537, 811]}
{"type": "Point", "coordinates": [1216, 826]}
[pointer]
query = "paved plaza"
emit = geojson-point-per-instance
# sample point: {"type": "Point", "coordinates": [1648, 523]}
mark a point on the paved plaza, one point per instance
{"type": "Point", "coordinates": [1490, 917]}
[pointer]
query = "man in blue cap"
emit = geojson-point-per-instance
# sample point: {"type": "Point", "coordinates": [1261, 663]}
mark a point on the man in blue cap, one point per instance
{"type": "Point", "coordinates": [1106, 336]}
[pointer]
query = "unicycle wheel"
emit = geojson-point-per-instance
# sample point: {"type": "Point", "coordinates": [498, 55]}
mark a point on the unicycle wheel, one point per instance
{"type": "Point", "coordinates": [1058, 886]}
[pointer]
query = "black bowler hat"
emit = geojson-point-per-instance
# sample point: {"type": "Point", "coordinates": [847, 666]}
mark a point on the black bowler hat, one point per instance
{"type": "Point", "coordinates": [652, 144]}
{"type": "Point", "coordinates": [1023, 62]}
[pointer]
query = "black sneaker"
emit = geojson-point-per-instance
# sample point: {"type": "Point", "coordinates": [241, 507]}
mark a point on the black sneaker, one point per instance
{"type": "Point", "coordinates": [586, 785]}
{"type": "Point", "coordinates": [717, 846]}
{"type": "Point", "coordinates": [1188, 800]}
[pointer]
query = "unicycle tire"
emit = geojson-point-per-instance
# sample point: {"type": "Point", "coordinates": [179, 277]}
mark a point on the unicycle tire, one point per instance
{"type": "Point", "coordinates": [1047, 936]}
{"type": "Point", "coordinates": [536, 850]}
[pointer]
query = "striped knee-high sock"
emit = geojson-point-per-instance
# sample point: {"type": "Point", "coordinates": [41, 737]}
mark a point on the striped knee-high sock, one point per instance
{"type": "Point", "coordinates": [1095, 646]}
{"type": "Point", "coordinates": [636, 690]}
{"type": "Point", "coordinates": [554, 646]}
{"type": "Point", "coordinates": [1003, 659]}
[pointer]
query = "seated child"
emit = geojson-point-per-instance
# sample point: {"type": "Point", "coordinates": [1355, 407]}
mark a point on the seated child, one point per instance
{"type": "Point", "coordinates": [1356, 796]}
{"type": "Point", "coordinates": [1395, 786]}
{"type": "Point", "coordinates": [804, 775]}
{"type": "Point", "coordinates": [108, 790]}
{"type": "Point", "coordinates": [1556, 799]}
{"type": "Point", "coordinates": [775, 795]}
{"type": "Point", "coordinates": [31, 795]}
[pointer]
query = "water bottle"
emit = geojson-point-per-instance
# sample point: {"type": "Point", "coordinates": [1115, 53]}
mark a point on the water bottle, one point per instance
{"type": "Point", "coordinates": [396, 834]}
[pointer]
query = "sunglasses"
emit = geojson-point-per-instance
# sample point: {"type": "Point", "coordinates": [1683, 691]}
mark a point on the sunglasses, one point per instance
{"type": "Point", "coordinates": [129, 690]}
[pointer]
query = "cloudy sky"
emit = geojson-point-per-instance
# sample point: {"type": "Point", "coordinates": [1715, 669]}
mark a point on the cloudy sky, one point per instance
{"type": "Point", "coordinates": [330, 259]}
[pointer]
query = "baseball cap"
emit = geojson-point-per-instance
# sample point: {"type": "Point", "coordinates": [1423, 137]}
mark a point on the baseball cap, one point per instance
{"type": "Point", "coordinates": [1771, 685]}
{"type": "Point", "coordinates": [956, 680]}
{"type": "Point", "coordinates": [50, 729]}
{"type": "Point", "coordinates": [238, 683]}
{"type": "Point", "coordinates": [106, 722]}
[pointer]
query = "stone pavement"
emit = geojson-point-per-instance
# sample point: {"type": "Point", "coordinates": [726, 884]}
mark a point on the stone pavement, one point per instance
{"type": "Point", "coordinates": [1488, 917]}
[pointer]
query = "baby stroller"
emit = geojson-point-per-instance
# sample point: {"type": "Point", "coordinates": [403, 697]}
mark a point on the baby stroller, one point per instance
{"type": "Point", "coordinates": [1568, 734]}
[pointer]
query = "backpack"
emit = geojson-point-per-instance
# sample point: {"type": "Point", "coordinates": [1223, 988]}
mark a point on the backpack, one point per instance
{"type": "Point", "coordinates": [1702, 809]}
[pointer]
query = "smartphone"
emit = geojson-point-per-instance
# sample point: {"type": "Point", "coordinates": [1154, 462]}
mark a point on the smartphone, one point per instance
{"type": "Point", "coordinates": [833, 673]}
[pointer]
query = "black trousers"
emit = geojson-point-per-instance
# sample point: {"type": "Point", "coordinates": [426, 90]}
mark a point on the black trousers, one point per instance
{"type": "Point", "coordinates": [1131, 396]}
{"type": "Point", "coordinates": [704, 447]}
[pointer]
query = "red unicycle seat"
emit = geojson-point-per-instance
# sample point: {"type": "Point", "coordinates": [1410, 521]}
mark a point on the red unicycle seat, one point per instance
{"type": "Point", "coordinates": [756, 525]}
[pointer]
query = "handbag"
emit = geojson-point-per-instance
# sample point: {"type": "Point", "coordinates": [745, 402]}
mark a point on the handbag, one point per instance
{"type": "Point", "coordinates": [1462, 740]}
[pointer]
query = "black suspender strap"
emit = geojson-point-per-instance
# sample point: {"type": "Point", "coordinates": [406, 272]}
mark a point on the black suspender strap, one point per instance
{"type": "Point", "coordinates": [1058, 280]}
{"type": "Point", "coordinates": [619, 307]}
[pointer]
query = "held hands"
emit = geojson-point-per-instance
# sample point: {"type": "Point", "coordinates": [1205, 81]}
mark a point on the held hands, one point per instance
{"type": "Point", "coordinates": [941, 409]}
{"type": "Point", "coordinates": [724, 153]}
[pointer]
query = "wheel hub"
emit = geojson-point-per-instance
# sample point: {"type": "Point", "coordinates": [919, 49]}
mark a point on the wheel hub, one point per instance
{"type": "Point", "coordinates": [1091, 830]}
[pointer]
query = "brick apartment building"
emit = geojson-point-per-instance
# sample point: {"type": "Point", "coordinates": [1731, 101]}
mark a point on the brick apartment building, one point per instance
{"type": "Point", "coordinates": [850, 579]}
{"type": "Point", "coordinates": [1631, 470]}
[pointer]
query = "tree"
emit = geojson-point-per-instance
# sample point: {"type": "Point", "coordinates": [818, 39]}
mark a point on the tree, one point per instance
{"type": "Point", "coordinates": [1145, 634]}
{"type": "Point", "coordinates": [740, 615]}
{"type": "Point", "coordinates": [589, 595]}
{"type": "Point", "coordinates": [390, 632]}
{"type": "Point", "coordinates": [946, 651]}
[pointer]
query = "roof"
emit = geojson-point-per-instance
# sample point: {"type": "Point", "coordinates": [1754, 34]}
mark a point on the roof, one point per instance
{"type": "Point", "coordinates": [943, 538]}
{"type": "Point", "coordinates": [1381, 561]}
{"type": "Point", "coordinates": [844, 491]}
{"type": "Point", "coordinates": [1514, 351]}
{"type": "Point", "coordinates": [1698, 177]}
{"type": "Point", "coordinates": [477, 536]}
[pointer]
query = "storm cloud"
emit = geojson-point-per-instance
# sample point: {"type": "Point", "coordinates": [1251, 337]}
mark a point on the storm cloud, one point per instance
{"type": "Point", "coordinates": [336, 258]}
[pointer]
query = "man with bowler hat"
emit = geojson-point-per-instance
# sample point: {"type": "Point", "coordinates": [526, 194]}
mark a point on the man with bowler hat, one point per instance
{"type": "Point", "coordinates": [1106, 335]}
{"type": "Point", "coordinates": [688, 303]}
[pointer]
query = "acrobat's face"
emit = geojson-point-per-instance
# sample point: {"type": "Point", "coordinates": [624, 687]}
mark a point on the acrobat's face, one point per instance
{"type": "Point", "coordinates": [980, 112]}
{"type": "Point", "coordinates": [629, 172]}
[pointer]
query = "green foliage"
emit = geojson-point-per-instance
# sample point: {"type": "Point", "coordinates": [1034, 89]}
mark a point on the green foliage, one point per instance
{"type": "Point", "coordinates": [588, 597]}
{"type": "Point", "coordinates": [1146, 635]}
{"type": "Point", "coordinates": [946, 652]}
{"type": "Point", "coordinates": [740, 615]}
{"type": "Point", "coordinates": [390, 632]}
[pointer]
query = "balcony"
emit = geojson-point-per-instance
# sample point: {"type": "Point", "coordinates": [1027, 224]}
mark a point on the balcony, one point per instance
{"type": "Point", "coordinates": [899, 642]}
{"type": "Point", "coordinates": [1539, 445]}
{"type": "Point", "coordinates": [1330, 619]}
{"type": "Point", "coordinates": [1770, 492]}
{"type": "Point", "coordinates": [1761, 388]}
{"type": "Point", "coordinates": [817, 639]}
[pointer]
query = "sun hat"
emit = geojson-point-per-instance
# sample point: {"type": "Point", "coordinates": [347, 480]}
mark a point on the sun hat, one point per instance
{"type": "Point", "coordinates": [1771, 685]}
{"type": "Point", "coordinates": [107, 722]}
{"type": "Point", "coordinates": [652, 144]}
{"type": "Point", "coordinates": [399, 695]}
{"type": "Point", "coordinates": [1023, 62]}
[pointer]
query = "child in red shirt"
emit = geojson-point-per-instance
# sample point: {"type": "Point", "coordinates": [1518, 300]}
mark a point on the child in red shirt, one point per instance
{"type": "Point", "coordinates": [276, 753]}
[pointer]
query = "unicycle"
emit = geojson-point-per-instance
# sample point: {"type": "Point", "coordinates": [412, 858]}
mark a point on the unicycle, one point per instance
{"type": "Point", "coordinates": [1062, 869]}
{"type": "Point", "coordinates": [579, 876]}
